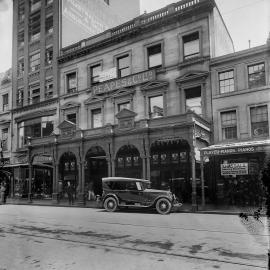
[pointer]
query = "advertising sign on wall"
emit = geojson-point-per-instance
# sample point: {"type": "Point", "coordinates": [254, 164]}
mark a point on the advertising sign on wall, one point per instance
{"type": "Point", "coordinates": [234, 169]}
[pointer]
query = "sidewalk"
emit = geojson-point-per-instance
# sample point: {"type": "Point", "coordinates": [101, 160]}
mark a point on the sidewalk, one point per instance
{"type": "Point", "coordinates": [185, 208]}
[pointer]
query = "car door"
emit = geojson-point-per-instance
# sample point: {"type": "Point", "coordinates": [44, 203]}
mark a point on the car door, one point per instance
{"type": "Point", "coordinates": [133, 194]}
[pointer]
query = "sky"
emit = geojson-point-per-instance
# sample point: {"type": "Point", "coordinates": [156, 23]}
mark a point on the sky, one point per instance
{"type": "Point", "coordinates": [245, 19]}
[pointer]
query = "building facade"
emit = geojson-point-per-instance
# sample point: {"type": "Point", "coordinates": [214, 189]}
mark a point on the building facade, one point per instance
{"type": "Point", "coordinates": [241, 113]}
{"type": "Point", "coordinates": [133, 101]}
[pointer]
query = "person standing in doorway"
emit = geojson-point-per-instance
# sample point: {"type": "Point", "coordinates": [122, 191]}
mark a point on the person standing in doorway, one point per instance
{"type": "Point", "coordinates": [70, 193]}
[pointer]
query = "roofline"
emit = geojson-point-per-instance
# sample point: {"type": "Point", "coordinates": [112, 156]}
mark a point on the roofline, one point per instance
{"type": "Point", "coordinates": [244, 53]}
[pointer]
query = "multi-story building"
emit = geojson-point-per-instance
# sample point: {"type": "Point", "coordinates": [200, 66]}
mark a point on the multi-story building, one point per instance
{"type": "Point", "coordinates": [38, 34]}
{"type": "Point", "coordinates": [133, 101]}
{"type": "Point", "coordinates": [5, 126]}
{"type": "Point", "coordinates": [241, 113]}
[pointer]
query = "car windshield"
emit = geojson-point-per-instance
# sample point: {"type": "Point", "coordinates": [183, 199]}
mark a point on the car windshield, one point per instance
{"type": "Point", "coordinates": [146, 185]}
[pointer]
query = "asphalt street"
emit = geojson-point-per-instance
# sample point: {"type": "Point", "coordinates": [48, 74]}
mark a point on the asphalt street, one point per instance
{"type": "Point", "coordinates": [41, 237]}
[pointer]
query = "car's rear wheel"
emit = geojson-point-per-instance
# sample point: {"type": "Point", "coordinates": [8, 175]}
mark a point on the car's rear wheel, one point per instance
{"type": "Point", "coordinates": [163, 206]}
{"type": "Point", "coordinates": [110, 204]}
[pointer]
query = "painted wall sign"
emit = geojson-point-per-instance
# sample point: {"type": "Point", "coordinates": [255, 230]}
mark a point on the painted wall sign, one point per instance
{"type": "Point", "coordinates": [234, 169]}
{"type": "Point", "coordinates": [131, 80]}
{"type": "Point", "coordinates": [236, 150]}
{"type": "Point", "coordinates": [42, 159]}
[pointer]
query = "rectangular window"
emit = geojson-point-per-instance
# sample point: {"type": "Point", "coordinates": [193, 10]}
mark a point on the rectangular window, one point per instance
{"type": "Point", "coordinates": [34, 5]}
{"type": "Point", "coordinates": [49, 89]}
{"type": "Point", "coordinates": [96, 118]}
{"type": "Point", "coordinates": [124, 105]}
{"type": "Point", "coordinates": [71, 80]}
{"type": "Point", "coordinates": [256, 75]}
{"type": "Point", "coordinates": [94, 73]}
{"type": "Point", "coordinates": [5, 102]}
{"type": "Point", "coordinates": [49, 25]}
{"type": "Point", "coordinates": [154, 56]}
{"type": "Point", "coordinates": [21, 15]}
{"type": "Point", "coordinates": [259, 121]}
{"type": "Point", "coordinates": [123, 68]}
{"type": "Point", "coordinates": [34, 62]}
{"type": "Point", "coordinates": [21, 38]}
{"type": "Point", "coordinates": [20, 67]}
{"type": "Point", "coordinates": [194, 100]}
{"type": "Point", "coordinates": [191, 45]}
{"type": "Point", "coordinates": [20, 98]}
{"type": "Point", "coordinates": [49, 56]}
{"type": "Point", "coordinates": [5, 139]}
{"type": "Point", "coordinates": [229, 125]}
{"type": "Point", "coordinates": [34, 26]}
{"type": "Point", "coordinates": [34, 94]}
{"type": "Point", "coordinates": [226, 81]}
{"type": "Point", "coordinates": [156, 107]}
{"type": "Point", "coordinates": [72, 117]}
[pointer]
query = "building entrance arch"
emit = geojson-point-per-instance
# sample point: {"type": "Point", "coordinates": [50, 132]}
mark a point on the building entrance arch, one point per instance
{"type": "Point", "coordinates": [68, 172]}
{"type": "Point", "coordinates": [171, 167]}
{"type": "Point", "coordinates": [96, 167]}
{"type": "Point", "coordinates": [128, 162]}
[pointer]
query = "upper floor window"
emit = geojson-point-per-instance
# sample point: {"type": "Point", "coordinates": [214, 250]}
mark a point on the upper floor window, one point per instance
{"type": "Point", "coordinates": [156, 106]}
{"type": "Point", "coordinates": [5, 102]}
{"type": "Point", "coordinates": [72, 117]}
{"type": "Point", "coordinates": [259, 121]}
{"type": "Point", "coordinates": [229, 125]}
{"type": "Point", "coordinates": [34, 94]}
{"type": "Point", "coordinates": [21, 38]}
{"type": "Point", "coordinates": [71, 82]}
{"type": "Point", "coordinates": [20, 67]}
{"type": "Point", "coordinates": [48, 2]}
{"type": "Point", "coordinates": [123, 66]}
{"type": "Point", "coordinates": [124, 105]}
{"type": "Point", "coordinates": [35, 128]}
{"type": "Point", "coordinates": [4, 142]}
{"type": "Point", "coordinates": [154, 54]}
{"type": "Point", "coordinates": [34, 62]}
{"type": "Point", "coordinates": [194, 100]}
{"type": "Point", "coordinates": [226, 81]}
{"type": "Point", "coordinates": [49, 89]}
{"type": "Point", "coordinates": [35, 4]}
{"type": "Point", "coordinates": [34, 26]}
{"type": "Point", "coordinates": [49, 25]}
{"type": "Point", "coordinates": [20, 97]}
{"type": "Point", "coordinates": [49, 56]}
{"type": "Point", "coordinates": [191, 45]}
{"type": "Point", "coordinates": [21, 15]}
{"type": "Point", "coordinates": [256, 75]}
{"type": "Point", "coordinates": [96, 118]}
{"type": "Point", "coordinates": [94, 73]}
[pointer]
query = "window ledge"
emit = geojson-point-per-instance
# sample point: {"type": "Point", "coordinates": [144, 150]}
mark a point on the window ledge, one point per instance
{"type": "Point", "coordinates": [68, 95]}
{"type": "Point", "coordinates": [191, 61]}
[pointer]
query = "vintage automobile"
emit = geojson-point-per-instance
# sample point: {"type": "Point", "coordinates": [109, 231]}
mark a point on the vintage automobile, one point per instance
{"type": "Point", "coordinates": [121, 192]}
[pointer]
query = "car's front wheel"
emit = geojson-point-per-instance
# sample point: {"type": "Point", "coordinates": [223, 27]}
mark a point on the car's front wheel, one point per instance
{"type": "Point", "coordinates": [110, 204]}
{"type": "Point", "coordinates": [163, 206]}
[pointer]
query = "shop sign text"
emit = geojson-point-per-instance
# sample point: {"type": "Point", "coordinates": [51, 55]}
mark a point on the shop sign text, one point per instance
{"type": "Point", "coordinates": [234, 169]}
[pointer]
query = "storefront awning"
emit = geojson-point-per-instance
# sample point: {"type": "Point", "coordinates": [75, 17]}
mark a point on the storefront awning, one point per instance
{"type": "Point", "coordinates": [237, 148]}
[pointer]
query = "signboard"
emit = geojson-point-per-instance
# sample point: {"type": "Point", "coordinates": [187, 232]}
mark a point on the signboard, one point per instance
{"type": "Point", "coordinates": [42, 159]}
{"type": "Point", "coordinates": [236, 150]}
{"type": "Point", "coordinates": [127, 81]}
{"type": "Point", "coordinates": [234, 169]}
{"type": "Point", "coordinates": [108, 74]}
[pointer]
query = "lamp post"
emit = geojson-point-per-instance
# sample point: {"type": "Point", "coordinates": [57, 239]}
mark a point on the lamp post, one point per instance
{"type": "Point", "coordinates": [30, 168]}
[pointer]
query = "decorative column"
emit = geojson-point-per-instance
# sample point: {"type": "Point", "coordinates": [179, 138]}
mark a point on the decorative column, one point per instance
{"type": "Point", "coordinates": [194, 187]}
{"type": "Point", "coordinates": [113, 166]}
{"type": "Point", "coordinates": [81, 174]}
{"type": "Point", "coordinates": [144, 167]}
{"type": "Point", "coordinates": [30, 168]}
{"type": "Point", "coordinates": [55, 195]}
{"type": "Point", "coordinates": [202, 181]}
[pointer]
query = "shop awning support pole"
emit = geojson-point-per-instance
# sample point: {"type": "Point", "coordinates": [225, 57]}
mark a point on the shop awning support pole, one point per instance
{"type": "Point", "coordinates": [194, 188]}
{"type": "Point", "coordinates": [30, 170]}
{"type": "Point", "coordinates": [202, 183]}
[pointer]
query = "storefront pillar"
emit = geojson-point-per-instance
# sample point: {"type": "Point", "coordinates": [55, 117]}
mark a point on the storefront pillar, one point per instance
{"type": "Point", "coordinates": [202, 183]}
{"type": "Point", "coordinates": [55, 197]}
{"type": "Point", "coordinates": [194, 187]}
{"type": "Point", "coordinates": [148, 167]}
{"type": "Point", "coordinates": [144, 167]}
{"type": "Point", "coordinates": [30, 168]}
{"type": "Point", "coordinates": [109, 162]}
{"type": "Point", "coordinates": [80, 184]}
{"type": "Point", "coordinates": [113, 167]}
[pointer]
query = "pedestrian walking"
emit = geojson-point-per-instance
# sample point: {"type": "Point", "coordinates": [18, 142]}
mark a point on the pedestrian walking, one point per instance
{"type": "Point", "coordinates": [70, 192]}
{"type": "Point", "coordinates": [3, 192]}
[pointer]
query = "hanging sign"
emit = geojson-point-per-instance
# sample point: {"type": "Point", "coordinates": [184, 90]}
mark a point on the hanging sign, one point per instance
{"type": "Point", "coordinates": [234, 169]}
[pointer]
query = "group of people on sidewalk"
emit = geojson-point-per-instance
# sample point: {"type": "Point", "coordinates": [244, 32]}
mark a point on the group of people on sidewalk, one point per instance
{"type": "Point", "coordinates": [3, 192]}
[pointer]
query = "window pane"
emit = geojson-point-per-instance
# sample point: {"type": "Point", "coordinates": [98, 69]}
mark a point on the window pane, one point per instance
{"type": "Point", "coordinates": [191, 45]}
{"type": "Point", "coordinates": [156, 107]}
{"type": "Point", "coordinates": [154, 56]}
{"type": "Point", "coordinates": [122, 106]}
{"type": "Point", "coordinates": [256, 75]}
{"type": "Point", "coordinates": [71, 82]}
{"type": "Point", "coordinates": [259, 121]}
{"type": "Point", "coordinates": [96, 118]}
{"type": "Point", "coordinates": [194, 100]}
{"type": "Point", "coordinates": [226, 82]}
{"type": "Point", "coordinates": [123, 66]}
{"type": "Point", "coordinates": [95, 71]}
{"type": "Point", "coordinates": [72, 117]}
{"type": "Point", "coordinates": [229, 125]}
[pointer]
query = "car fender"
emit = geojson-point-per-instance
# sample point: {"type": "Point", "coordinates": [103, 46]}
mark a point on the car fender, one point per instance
{"type": "Point", "coordinates": [111, 195]}
{"type": "Point", "coordinates": [162, 196]}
